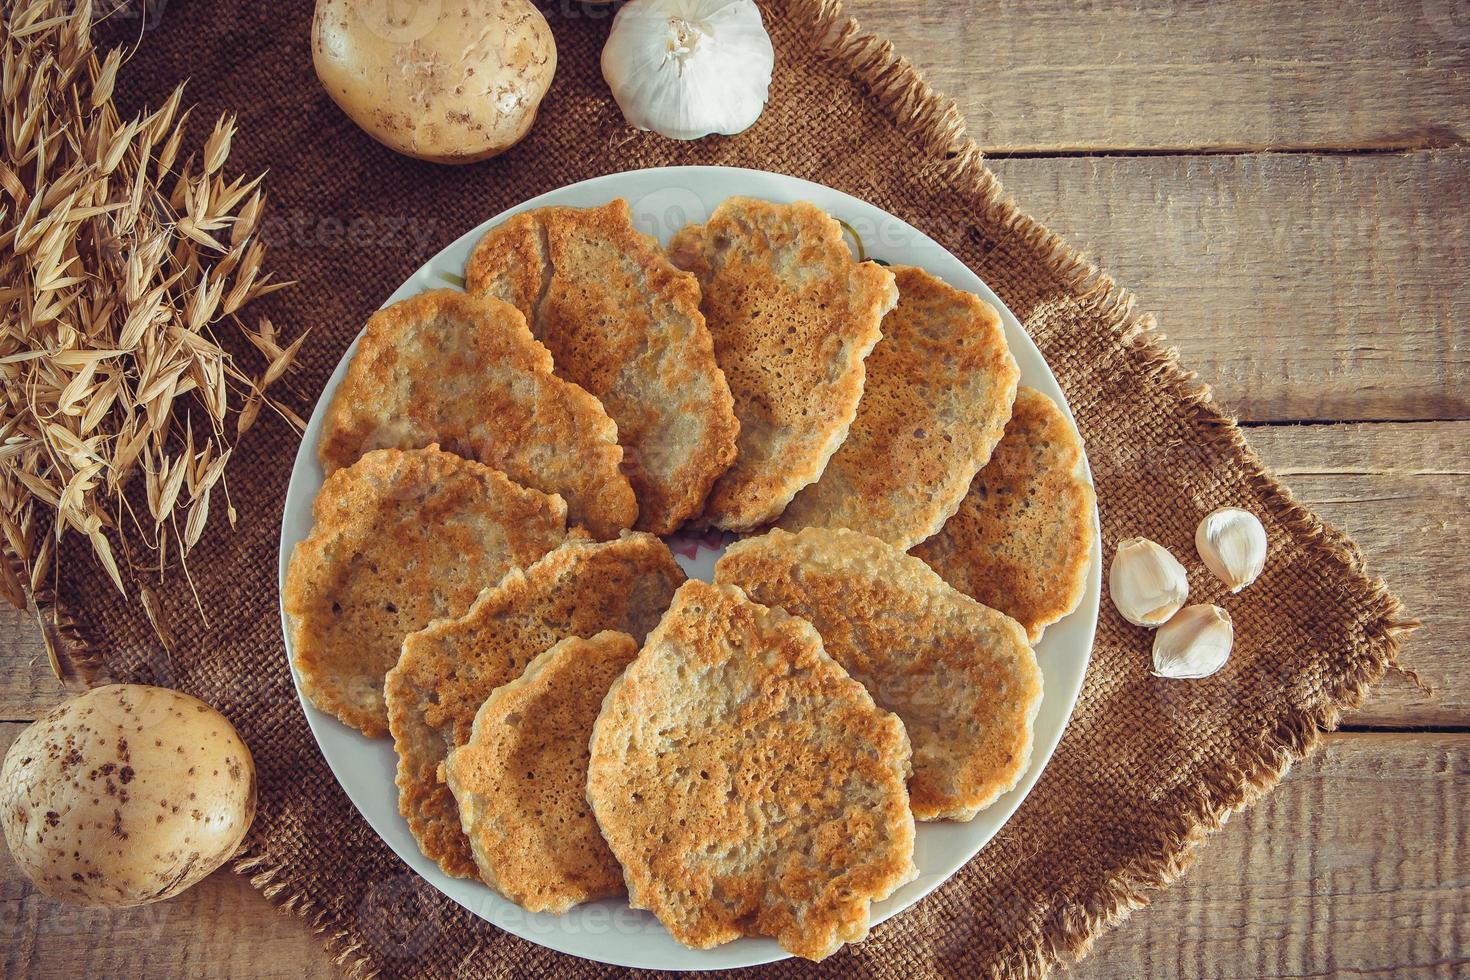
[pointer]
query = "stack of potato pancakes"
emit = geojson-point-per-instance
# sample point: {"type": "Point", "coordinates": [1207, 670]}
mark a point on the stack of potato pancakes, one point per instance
{"type": "Point", "coordinates": [487, 580]}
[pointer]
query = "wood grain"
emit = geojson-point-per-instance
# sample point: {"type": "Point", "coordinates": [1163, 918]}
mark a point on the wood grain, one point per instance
{"type": "Point", "coordinates": [1304, 286]}
{"type": "Point", "coordinates": [27, 685]}
{"type": "Point", "coordinates": [1402, 490]}
{"type": "Point", "coordinates": [1301, 287]}
{"type": "Point", "coordinates": [1328, 874]}
{"type": "Point", "coordinates": [1115, 75]}
{"type": "Point", "coordinates": [1354, 865]}
{"type": "Point", "coordinates": [219, 928]}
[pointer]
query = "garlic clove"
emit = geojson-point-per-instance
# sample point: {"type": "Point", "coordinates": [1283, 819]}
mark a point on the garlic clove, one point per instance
{"type": "Point", "coordinates": [1193, 644]}
{"type": "Point", "coordinates": [1147, 583]}
{"type": "Point", "coordinates": [1232, 544]}
{"type": "Point", "coordinates": [689, 68]}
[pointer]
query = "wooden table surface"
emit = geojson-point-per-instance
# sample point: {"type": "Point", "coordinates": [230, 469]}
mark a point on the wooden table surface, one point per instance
{"type": "Point", "coordinates": [1287, 185]}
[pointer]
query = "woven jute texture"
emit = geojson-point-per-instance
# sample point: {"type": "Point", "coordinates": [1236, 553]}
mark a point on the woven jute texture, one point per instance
{"type": "Point", "coordinates": [1147, 768]}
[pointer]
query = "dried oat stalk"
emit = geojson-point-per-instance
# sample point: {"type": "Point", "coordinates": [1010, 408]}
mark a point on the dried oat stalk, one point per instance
{"type": "Point", "coordinates": [121, 262]}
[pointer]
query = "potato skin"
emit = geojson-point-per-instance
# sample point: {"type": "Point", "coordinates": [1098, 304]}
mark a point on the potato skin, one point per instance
{"type": "Point", "coordinates": [449, 82]}
{"type": "Point", "coordinates": [125, 795]}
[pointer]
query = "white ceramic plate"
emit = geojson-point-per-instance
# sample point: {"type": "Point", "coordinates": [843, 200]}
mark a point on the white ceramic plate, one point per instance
{"type": "Point", "coordinates": [664, 200]}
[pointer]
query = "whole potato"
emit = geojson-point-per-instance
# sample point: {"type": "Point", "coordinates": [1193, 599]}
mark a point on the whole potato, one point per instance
{"type": "Point", "coordinates": [450, 82]}
{"type": "Point", "coordinates": [125, 795]}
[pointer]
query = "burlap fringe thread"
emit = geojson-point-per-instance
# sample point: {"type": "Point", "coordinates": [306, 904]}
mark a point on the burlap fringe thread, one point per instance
{"type": "Point", "coordinates": [935, 124]}
{"type": "Point", "coordinates": [937, 128]}
{"type": "Point", "coordinates": [74, 659]}
{"type": "Point", "coordinates": [285, 891]}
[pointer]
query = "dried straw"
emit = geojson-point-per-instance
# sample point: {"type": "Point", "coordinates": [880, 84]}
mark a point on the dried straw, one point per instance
{"type": "Point", "coordinates": [119, 265]}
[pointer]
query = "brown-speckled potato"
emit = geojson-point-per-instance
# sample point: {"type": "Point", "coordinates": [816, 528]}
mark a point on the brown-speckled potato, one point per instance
{"type": "Point", "coordinates": [125, 795]}
{"type": "Point", "coordinates": [451, 82]}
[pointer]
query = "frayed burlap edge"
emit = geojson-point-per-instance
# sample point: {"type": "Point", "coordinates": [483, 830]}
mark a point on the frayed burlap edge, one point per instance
{"type": "Point", "coordinates": [937, 128]}
{"type": "Point", "coordinates": [286, 892]}
{"type": "Point", "coordinates": [68, 642]}
{"type": "Point", "coordinates": [73, 658]}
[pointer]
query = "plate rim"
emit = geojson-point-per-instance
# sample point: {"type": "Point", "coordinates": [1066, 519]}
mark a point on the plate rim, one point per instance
{"type": "Point", "coordinates": [761, 950]}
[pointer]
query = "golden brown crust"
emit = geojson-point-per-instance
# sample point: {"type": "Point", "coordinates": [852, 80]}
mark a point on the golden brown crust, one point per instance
{"type": "Point", "coordinates": [793, 315]}
{"type": "Point", "coordinates": [938, 393]}
{"type": "Point", "coordinates": [401, 538]}
{"type": "Point", "coordinates": [464, 372]}
{"type": "Point", "coordinates": [746, 784]}
{"type": "Point", "coordinates": [960, 675]}
{"type": "Point", "coordinates": [520, 781]}
{"type": "Point", "coordinates": [447, 670]}
{"type": "Point", "coordinates": [624, 324]}
{"type": "Point", "coordinates": [1021, 541]}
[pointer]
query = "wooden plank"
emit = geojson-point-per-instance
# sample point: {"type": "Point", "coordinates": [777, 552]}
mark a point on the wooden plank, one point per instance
{"type": "Point", "coordinates": [1354, 865]}
{"type": "Point", "coordinates": [27, 685]}
{"type": "Point", "coordinates": [1114, 75]}
{"type": "Point", "coordinates": [219, 928]}
{"type": "Point", "coordinates": [1402, 490]}
{"type": "Point", "coordinates": [1301, 287]}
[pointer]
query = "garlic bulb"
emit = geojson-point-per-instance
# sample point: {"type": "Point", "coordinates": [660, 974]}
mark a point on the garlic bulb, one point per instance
{"type": "Point", "coordinates": [1147, 583]}
{"type": "Point", "coordinates": [1232, 544]}
{"type": "Point", "coordinates": [689, 68]}
{"type": "Point", "coordinates": [1193, 644]}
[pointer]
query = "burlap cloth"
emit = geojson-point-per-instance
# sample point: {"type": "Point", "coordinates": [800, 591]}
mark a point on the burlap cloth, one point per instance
{"type": "Point", "coordinates": [1147, 767]}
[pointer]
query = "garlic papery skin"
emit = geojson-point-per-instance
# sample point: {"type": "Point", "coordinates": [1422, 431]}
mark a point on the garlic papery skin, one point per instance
{"type": "Point", "coordinates": [1232, 544]}
{"type": "Point", "coordinates": [1193, 644]}
{"type": "Point", "coordinates": [689, 68]}
{"type": "Point", "coordinates": [1147, 583]}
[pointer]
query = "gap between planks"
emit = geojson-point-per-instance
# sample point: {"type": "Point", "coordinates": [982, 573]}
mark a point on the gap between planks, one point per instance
{"type": "Point", "coordinates": [1353, 864]}
{"type": "Point", "coordinates": [1125, 152]}
{"type": "Point", "coordinates": [1409, 731]}
{"type": "Point", "coordinates": [1301, 287]}
{"type": "Point", "coordinates": [1401, 490]}
{"type": "Point", "coordinates": [1049, 75]}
